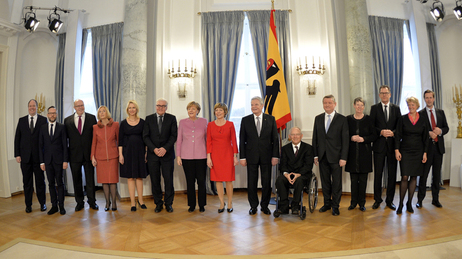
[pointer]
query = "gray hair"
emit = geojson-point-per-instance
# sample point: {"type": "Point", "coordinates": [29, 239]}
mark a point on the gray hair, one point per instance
{"type": "Point", "coordinates": [257, 98]}
{"type": "Point", "coordinates": [163, 100]}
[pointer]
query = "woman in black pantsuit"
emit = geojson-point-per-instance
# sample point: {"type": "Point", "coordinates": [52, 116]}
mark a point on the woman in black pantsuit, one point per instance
{"type": "Point", "coordinates": [411, 145]}
{"type": "Point", "coordinates": [359, 163]}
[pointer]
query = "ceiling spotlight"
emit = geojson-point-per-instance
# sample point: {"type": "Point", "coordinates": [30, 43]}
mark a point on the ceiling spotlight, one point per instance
{"type": "Point", "coordinates": [423, 1]}
{"type": "Point", "coordinates": [54, 22]}
{"type": "Point", "coordinates": [437, 11]}
{"type": "Point", "coordinates": [31, 22]}
{"type": "Point", "coordinates": [458, 10]}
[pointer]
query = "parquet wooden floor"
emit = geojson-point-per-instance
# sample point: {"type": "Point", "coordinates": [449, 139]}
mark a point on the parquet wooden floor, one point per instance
{"type": "Point", "coordinates": [234, 233]}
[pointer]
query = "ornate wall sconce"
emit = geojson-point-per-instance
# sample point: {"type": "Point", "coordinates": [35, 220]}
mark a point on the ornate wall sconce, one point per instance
{"type": "Point", "coordinates": [457, 98]}
{"type": "Point", "coordinates": [41, 103]}
{"type": "Point", "coordinates": [310, 72]}
{"type": "Point", "coordinates": [172, 73]}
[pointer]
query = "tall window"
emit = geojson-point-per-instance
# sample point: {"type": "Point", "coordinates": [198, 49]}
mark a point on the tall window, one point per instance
{"type": "Point", "coordinates": [85, 91]}
{"type": "Point", "coordinates": [410, 88]}
{"type": "Point", "coordinates": [247, 80]}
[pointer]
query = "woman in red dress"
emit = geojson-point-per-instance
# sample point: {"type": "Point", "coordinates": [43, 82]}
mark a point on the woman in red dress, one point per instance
{"type": "Point", "coordinates": [222, 154]}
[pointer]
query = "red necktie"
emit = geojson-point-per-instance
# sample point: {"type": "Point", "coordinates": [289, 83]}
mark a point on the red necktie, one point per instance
{"type": "Point", "coordinates": [433, 124]}
{"type": "Point", "coordinates": [79, 127]}
{"type": "Point", "coordinates": [296, 151]}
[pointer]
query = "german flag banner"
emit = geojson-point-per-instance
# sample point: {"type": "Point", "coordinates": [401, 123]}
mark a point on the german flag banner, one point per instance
{"type": "Point", "coordinates": [276, 100]}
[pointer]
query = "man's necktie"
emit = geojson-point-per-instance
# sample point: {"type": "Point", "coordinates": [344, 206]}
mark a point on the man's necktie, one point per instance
{"type": "Point", "coordinates": [328, 123]}
{"type": "Point", "coordinates": [51, 131]}
{"type": "Point", "coordinates": [79, 127]}
{"type": "Point", "coordinates": [385, 112]}
{"type": "Point", "coordinates": [258, 126]}
{"type": "Point", "coordinates": [159, 124]}
{"type": "Point", "coordinates": [31, 126]}
{"type": "Point", "coordinates": [296, 151]}
{"type": "Point", "coordinates": [433, 124]}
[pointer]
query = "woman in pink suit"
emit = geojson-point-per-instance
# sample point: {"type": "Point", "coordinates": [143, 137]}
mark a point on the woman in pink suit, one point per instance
{"type": "Point", "coordinates": [222, 154]}
{"type": "Point", "coordinates": [105, 155]}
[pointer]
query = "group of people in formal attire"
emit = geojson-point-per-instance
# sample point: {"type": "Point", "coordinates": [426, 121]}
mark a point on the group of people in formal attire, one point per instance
{"type": "Point", "coordinates": [136, 148]}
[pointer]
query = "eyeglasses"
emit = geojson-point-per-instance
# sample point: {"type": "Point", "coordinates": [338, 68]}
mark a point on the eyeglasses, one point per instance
{"type": "Point", "coordinates": [161, 106]}
{"type": "Point", "coordinates": [384, 93]}
{"type": "Point", "coordinates": [296, 134]}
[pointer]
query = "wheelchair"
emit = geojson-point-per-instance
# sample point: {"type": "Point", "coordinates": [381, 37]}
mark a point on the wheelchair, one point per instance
{"type": "Point", "coordinates": [311, 188]}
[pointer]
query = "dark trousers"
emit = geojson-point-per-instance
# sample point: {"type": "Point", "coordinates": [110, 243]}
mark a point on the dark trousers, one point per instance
{"type": "Point", "coordinates": [252, 183]}
{"type": "Point", "coordinates": [331, 181]}
{"type": "Point", "coordinates": [435, 161]}
{"type": "Point", "coordinates": [379, 163]}
{"type": "Point", "coordinates": [358, 188]}
{"type": "Point", "coordinates": [195, 170]}
{"type": "Point", "coordinates": [156, 168]}
{"type": "Point", "coordinates": [55, 184]}
{"type": "Point", "coordinates": [283, 186]}
{"type": "Point", "coordinates": [29, 171]}
{"type": "Point", "coordinates": [76, 168]}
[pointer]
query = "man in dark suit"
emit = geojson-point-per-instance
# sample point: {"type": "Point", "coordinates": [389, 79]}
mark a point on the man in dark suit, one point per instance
{"type": "Point", "coordinates": [330, 143]}
{"type": "Point", "coordinates": [79, 129]}
{"type": "Point", "coordinates": [296, 164]}
{"type": "Point", "coordinates": [53, 158]}
{"type": "Point", "coordinates": [259, 146]}
{"type": "Point", "coordinates": [159, 134]}
{"type": "Point", "coordinates": [438, 127]}
{"type": "Point", "coordinates": [385, 116]}
{"type": "Point", "coordinates": [26, 152]}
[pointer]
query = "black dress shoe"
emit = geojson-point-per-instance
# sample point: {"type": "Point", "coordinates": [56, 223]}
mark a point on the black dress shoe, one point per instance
{"type": "Point", "coordinates": [335, 211]}
{"type": "Point", "coordinates": [230, 210]}
{"type": "Point", "coordinates": [143, 206]}
{"type": "Point", "coordinates": [53, 210]}
{"type": "Point", "coordinates": [201, 209]}
{"type": "Point", "coordinates": [79, 207]}
{"type": "Point", "coordinates": [362, 208]}
{"type": "Point", "coordinates": [391, 206]}
{"type": "Point", "coordinates": [159, 208]}
{"type": "Point", "coordinates": [222, 209]}
{"type": "Point", "coordinates": [107, 206]}
{"type": "Point", "coordinates": [62, 211]}
{"type": "Point", "coordinates": [169, 208]}
{"type": "Point", "coordinates": [419, 205]}
{"type": "Point", "coordinates": [400, 209]}
{"type": "Point", "coordinates": [133, 208]}
{"type": "Point", "coordinates": [28, 209]}
{"type": "Point", "coordinates": [253, 211]}
{"type": "Point", "coordinates": [437, 204]}
{"type": "Point", "coordinates": [43, 207]}
{"type": "Point", "coordinates": [376, 205]}
{"type": "Point", "coordinates": [409, 207]}
{"type": "Point", "coordinates": [94, 206]}
{"type": "Point", "coordinates": [277, 213]}
{"type": "Point", "coordinates": [324, 208]}
{"type": "Point", "coordinates": [351, 207]}
{"type": "Point", "coordinates": [191, 209]}
{"type": "Point", "coordinates": [266, 211]}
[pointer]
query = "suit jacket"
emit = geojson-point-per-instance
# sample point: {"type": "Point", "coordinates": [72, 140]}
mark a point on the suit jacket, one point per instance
{"type": "Point", "coordinates": [53, 150]}
{"type": "Point", "coordinates": [257, 149]}
{"type": "Point", "coordinates": [80, 145]}
{"type": "Point", "coordinates": [26, 144]}
{"type": "Point", "coordinates": [302, 164]}
{"type": "Point", "coordinates": [334, 144]}
{"type": "Point", "coordinates": [166, 139]}
{"type": "Point", "coordinates": [380, 123]}
{"type": "Point", "coordinates": [440, 123]}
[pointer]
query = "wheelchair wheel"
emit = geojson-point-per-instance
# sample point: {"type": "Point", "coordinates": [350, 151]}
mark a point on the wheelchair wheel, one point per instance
{"type": "Point", "coordinates": [303, 213]}
{"type": "Point", "coordinates": [313, 194]}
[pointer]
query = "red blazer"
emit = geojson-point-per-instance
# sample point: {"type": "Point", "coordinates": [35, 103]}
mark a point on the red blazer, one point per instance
{"type": "Point", "coordinates": [104, 145]}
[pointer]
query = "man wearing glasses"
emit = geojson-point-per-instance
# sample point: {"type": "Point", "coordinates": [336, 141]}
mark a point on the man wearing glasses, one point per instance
{"type": "Point", "coordinates": [159, 134]}
{"type": "Point", "coordinates": [385, 116]}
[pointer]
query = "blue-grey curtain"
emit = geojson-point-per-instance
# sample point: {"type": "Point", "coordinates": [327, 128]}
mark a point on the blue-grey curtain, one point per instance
{"type": "Point", "coordinates": [221, 44]}
{"type": "Point", "coordinates": [59, 76]}
{"type": "Point", "coordinates": [84, 46]}
{"type": "Point", "coordinates": [434, 64]}
{"type": "Point", "coordinates": [387, 54]}
{"type": "Point", "coordinates": [259, 29]}
{"type": "Point", "coordinates": [107, 56]}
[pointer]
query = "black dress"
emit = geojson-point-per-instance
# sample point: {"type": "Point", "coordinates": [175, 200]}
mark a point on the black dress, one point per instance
{"type": "Point", "coordinates": [133, 150]}
{"type": "Point", "coordinates": [412, 141]}
{"type": "Point", "coordinates": [360, 154]}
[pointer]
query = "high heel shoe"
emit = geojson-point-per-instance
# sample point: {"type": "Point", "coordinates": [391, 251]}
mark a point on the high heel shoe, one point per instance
{"type": "Point", "coordinates": [133, 208]}
{"type": "Point", "coordinates": [400, 209]}
{"type": "Point", "coordinates": [143, 206]}
{"type": "Point", "coordinates": [409, 207]}
{"type": "Point", "coordinates": [107, 206]}
{"type": "Point", "coordinates": [114, 207]}
{"type": "Point", "coordinates": [222, 209]}
{"type": "Point", "coordinates": [230, 209]}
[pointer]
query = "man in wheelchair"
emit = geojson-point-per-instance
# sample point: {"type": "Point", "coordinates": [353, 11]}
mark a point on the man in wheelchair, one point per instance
{"type": "Point", "coordinates": [296, 166]}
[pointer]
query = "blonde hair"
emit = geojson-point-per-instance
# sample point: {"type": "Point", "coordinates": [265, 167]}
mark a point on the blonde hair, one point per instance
{"type": "Point", "coordinates": [193, 103]}
{"type": "Point", "coordinates": [108, 114]}
{"type": "Point", "coordinates": [136, 106]}
{"type": "Point", "coordinates": [412, 99]}
{"type": "Point", "coordinates": [221, 106]}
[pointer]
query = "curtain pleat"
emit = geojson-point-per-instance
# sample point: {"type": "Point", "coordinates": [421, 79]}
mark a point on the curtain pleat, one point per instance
{"type": "Point", "coordinates": [434, 65]}
{"type": "Point", "coordinates": [59, 77]}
